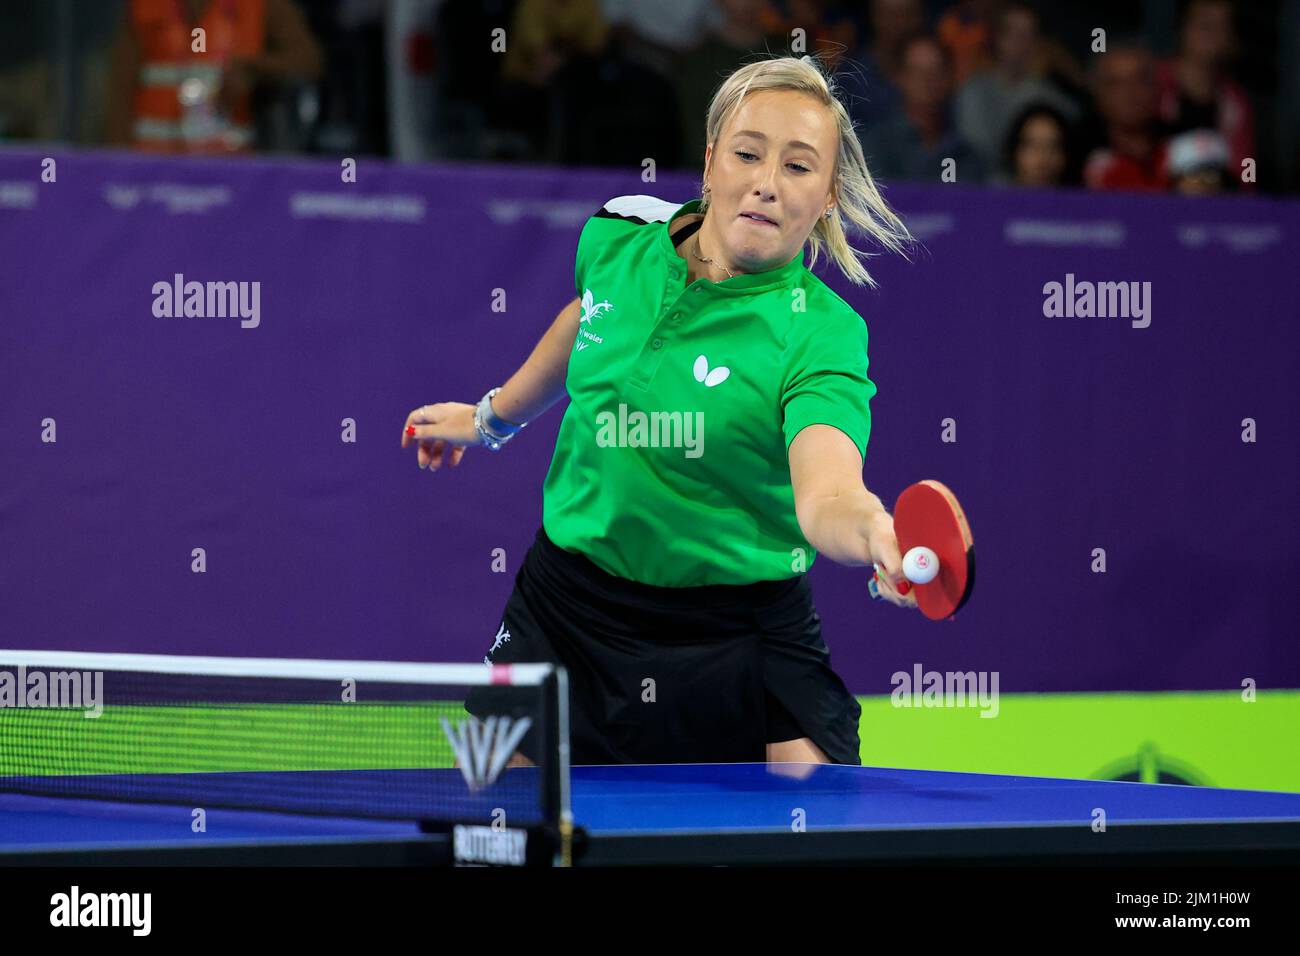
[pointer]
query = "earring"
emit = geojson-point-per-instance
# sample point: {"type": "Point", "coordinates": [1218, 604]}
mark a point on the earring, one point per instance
{"type": "Point", "coordinates": [828, 213]}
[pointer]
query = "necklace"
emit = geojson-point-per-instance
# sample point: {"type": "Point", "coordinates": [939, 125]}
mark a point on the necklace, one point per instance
{"type": "Point", "coordinates": [696, 251]}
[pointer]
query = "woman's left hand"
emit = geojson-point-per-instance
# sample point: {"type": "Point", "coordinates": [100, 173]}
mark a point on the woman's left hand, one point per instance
{"type": "Point", "coordinates": [882, 551]}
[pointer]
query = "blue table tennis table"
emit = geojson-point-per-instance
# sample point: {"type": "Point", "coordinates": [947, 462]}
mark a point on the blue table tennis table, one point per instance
{"type": "Point", "coordinates": [714, 814]}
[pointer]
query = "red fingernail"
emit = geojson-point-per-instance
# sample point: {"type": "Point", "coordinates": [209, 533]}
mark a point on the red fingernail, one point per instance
{"type": "Point", "coordinates": [904, 587]}
{"type": "Point", "coordinates": [410, 430]}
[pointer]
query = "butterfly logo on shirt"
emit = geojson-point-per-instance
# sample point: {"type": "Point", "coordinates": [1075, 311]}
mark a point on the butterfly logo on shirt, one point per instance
{"type": "Point", "coordinates": [710, 377]}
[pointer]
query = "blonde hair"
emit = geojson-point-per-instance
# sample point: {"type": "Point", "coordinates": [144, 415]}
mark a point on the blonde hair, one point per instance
{"type": "Point", "coordinates": [858, 202]}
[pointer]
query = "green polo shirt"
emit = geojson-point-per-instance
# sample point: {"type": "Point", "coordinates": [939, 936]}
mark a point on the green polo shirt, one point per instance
{"type": "Point", "coordinates": [671, 464]}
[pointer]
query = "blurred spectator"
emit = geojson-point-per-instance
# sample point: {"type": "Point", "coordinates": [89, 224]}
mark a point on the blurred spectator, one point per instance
{"type": "Point", "coordinates": [1131, 154]}
{"type": "Point", "coordinates": [1195, 91]}
{"type": "Point", "coordinates": [705, 67]}
{"type": "Point", "coordinates": [167, 97]}
{"type": "Point", "coordinates": [544, 37]}
{"type": "Point", "coordinates": [1054, 64]}
{"type": "Point", "coordinates": [1040, 149]}
{"type": "Point", "coordinates": [352, 101]}
{"type": "Point", "coordinates": [544, 33]}
{"type": "Point", "coordinates": [617, 81]}
{"type": "Point", "coordinates": [473, 117]}
{"type": "Point", "coordinates": [656, 35]}
{"type": "Point", "coordinates": [869, 81]}
{"type": "Point", "coordinates": [28, 87]}
{"type": "Point", "coordinates": [915, 142]}
{"type": "Point", "coordinates": [829, 30]}
{"type": "Point", "coordinates": [988, 102]}
{"type": "Point", "coordinates": [607, 110]}
{"type": "Point", "coordinates": [964, 32]}
{"type": "Point", "coordinates": [1199, 163]}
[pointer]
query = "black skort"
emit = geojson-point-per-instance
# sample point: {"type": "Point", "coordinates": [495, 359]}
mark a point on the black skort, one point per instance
{"type": "Point", "coordinates": [708, 674]}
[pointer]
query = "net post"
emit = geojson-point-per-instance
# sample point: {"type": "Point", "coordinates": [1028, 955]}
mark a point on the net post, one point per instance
{"type": "Point", "coordinates": [554, 746]}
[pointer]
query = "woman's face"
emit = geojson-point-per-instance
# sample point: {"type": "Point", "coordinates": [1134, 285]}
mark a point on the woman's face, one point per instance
{"type": "Point", "coordinates": [1040, 154]}
{"type": "Point", "coordinates": [769, 176]}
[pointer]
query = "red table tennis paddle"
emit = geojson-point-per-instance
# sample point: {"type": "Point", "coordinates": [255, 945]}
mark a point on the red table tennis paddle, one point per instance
{"type": "Point", "coordinates": [932, 528]}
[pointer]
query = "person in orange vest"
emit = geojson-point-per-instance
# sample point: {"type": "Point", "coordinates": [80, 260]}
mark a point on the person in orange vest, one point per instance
{"type": "Point", "coordinates": [174, 90]}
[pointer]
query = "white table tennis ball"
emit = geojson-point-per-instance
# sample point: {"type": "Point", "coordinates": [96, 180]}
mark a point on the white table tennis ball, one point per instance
{"type": "Point", "coordinates": [920, 565]}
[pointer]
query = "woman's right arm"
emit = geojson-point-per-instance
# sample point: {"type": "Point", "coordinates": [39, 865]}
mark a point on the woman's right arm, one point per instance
{"type": "Point", "coordinates": [535, 387]}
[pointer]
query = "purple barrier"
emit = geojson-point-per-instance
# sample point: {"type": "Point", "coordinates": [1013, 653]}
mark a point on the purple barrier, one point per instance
{"type": "Point", "coordinates": [1072, 433]}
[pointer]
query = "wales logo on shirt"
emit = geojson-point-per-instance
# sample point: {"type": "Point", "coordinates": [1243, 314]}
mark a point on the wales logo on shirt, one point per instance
{"type": "Point", "coordinates": [591, 310]}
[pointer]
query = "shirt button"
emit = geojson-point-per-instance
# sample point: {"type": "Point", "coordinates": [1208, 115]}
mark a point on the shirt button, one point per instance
{"type": "Point", "coordinates": [658, 343]}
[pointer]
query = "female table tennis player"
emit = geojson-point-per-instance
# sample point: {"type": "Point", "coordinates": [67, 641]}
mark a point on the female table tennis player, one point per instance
{"type": "Point", "coordinates": [668, 574]}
